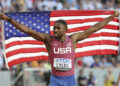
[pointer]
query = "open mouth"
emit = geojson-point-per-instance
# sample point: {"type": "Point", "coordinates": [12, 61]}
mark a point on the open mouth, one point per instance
{"type": "Point", "coordinates": [56, 34]}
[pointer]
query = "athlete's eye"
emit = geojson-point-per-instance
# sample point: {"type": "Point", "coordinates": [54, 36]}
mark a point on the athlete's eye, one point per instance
{"type": "Point", "coordinates": [56, 28]}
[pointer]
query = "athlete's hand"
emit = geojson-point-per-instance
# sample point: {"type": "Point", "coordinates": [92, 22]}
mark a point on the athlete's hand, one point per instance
{"type": "Point", "coordinates": [3, 17]}
{"type": "Point", "coordinates": [116, 13]}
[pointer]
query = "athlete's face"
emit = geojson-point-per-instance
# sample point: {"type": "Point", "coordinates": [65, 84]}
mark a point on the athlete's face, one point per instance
{"type": "Point", "coordinates": [59, 30]}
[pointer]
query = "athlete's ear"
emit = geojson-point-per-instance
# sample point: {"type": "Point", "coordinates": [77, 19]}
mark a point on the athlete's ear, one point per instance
{"type": "Point", "coordinates": [66, 29]}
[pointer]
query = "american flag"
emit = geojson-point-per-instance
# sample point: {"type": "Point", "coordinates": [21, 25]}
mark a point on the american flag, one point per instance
{"type": "Point", "coordinates": [20, 47]}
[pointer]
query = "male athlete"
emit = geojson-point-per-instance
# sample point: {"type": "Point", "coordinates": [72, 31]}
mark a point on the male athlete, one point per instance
{"type": "Point", "coordinates": [60, 47]}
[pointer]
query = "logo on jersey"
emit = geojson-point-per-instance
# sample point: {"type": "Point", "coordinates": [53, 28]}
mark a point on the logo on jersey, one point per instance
{"type": "Point", "coordinates": [68, 44]}
{"type": "Point", "coordinates": [62, 50]}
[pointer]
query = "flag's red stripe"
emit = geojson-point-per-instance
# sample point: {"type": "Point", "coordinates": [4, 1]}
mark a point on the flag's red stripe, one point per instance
{"type": "Point", "coordinates": [79, 13]}
{"type": "Point", "coordinates": [34, 42]}
{"type": "Point", "coordinates": [79, 21]}
{"type": "Point", "coordinates": [25, 50]}
{"type": "Point", "coordinates": [24, 59]}
{"type": "Point", "coordinates": [96, 52]}
{"type": "Point", "coordinates": [101, 34]}
{"type": "Point", "coordinates": [104, 34]}
{"type": "Point", "coordinates": [79, 45]}
{"type": "Point", "coordinates": [112, 27]}
{"type": "Point", "coordinates": [92, 43]}
{"type": "Point", "coordinates": [87, 53]}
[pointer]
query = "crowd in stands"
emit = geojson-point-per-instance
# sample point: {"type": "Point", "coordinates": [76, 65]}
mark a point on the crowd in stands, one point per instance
{"type": "Point", "coordinates": [92, 80]}
{"type": "Point", "coordinates": [46, 5]}
{"type": "Point", "coordinates": [99, 61]}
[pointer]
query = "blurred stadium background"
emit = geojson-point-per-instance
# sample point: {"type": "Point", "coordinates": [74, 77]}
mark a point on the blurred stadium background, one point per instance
{"type": "Point", "coordinates": [98, 70]}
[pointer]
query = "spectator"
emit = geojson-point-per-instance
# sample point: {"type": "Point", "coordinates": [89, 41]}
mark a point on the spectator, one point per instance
{"type": "Point", "coordinates": [90, 5]}
{"type": "Point", "coordinates": [96, 63]}
{"type": "Point", "coordinates": [66, 6]}
{"type": "Point", "coordinates": [38, 74]}
{"type": "Point", "coordinates": [47, 73]}
{"type": "Point", "coordinates": [73, 6]}
{"type": "Point", "coordinates": [79, 62]}
{"type": "Point", "coordinates": [82, 80]}
{"type": "Point", "coordinates": [6, 4]}
{"type": "Point", "coordinates": [87, 61]}
{"type": "Point", "coordinates": [118, 61]}
{"type": "Point", "coordinates": [91, 80]}
{"type": "Point", "coordinates": [59, 5]}
{"type": "Point", "coordinates": [113, 61]}
{"type": "Point", "coordinates": [104, 62]}
{"type": "Point", "coordinates": [109, 79]}
{"type": "Point", "coordinates": [12, 8]}
{"type": "Point", "coordinates": [28, 5]}
{"type": "Point", "coordinates": [98, 4]}
{"type": "Point", "coordinates": [49, 5]}
{"type": "Point", "coordinates": [70, 1]}
{"type": "Point", "coordinates": [110, 5]}
{"type": "Point", "coordinates": [34, 64]}
{"type": "Point", "coordinates": [118, 6]}
{"type": "Point", "coordinates": [79, 3]}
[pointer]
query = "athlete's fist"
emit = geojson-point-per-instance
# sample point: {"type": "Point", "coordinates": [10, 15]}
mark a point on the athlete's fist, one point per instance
{"type": "Point", "coordinates": [3, 17]}
{"type": "Point", "coordinates": [116, 13]}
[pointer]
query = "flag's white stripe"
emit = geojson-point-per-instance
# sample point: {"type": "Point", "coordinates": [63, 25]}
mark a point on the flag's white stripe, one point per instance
{"type": "Point", "coordinates": [12, 48]}
{"type": "Point", "coordinates": [88, 48]}
{"type": "Point", "coordinates": [107, 30]}
{"type": "Point", "coordinates": [21, 55]}
{"type": "Point", "coordinates": [101, 30]}
{"type": "Point", "coordinates": [30, 38]}
{"type": "Point", "coordinates": [70, 26]}
{"type": "Point", "coordinates": [102, 38]}
{"type": "Point", "coordinates": [95, 38]}
{"type": "Point", "coordinates": [18, 39]}
{"type": "Point", "coordinates": [88, 39]}
{"type": "Point", "coordinates": [96, 47]}
{"type": "Point", "coordinates": [77, 17]}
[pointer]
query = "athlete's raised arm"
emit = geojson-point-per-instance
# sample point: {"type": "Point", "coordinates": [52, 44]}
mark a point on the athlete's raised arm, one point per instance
{"type": "Point", "coordinates": [37, 35]}
{"type": "Point", "coordinates": [82, 35]}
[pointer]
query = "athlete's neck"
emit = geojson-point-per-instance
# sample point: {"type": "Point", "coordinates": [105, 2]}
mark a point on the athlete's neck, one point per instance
{"type": "Point", "coordinates": [62, 39]}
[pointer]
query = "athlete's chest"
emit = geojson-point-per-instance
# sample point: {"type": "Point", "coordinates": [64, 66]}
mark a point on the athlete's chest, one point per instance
{"type": "Point", "coordinates": [61, 47]}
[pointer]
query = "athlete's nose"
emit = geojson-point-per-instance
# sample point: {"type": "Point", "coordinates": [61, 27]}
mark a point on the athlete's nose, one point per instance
{"type": "Point", "coordinates": [55, 29]}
